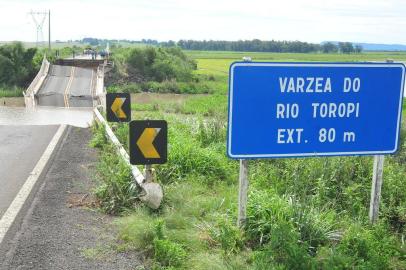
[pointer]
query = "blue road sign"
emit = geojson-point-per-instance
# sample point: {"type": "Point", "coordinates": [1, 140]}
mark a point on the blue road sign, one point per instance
{"type": "Point", "coordinates": [314, 109]}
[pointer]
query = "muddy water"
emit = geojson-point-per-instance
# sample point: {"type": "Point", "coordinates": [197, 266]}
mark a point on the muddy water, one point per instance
{"type": "Point", "coordinates": [45, 116]}
{"type": "Point", "coordinates": [13, 112]}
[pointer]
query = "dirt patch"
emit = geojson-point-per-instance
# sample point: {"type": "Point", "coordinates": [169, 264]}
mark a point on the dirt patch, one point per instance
{"type": "Point", "coordinates": [82, 200]}
{"type": "Point", "coordinates": [12, 102]}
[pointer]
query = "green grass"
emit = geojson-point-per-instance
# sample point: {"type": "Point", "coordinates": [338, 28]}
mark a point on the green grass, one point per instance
{"type": "Point", "coordinates": [218, 63]}
{"type": "Point", "coordinates": [11, 92]}
{"type": "Point", "coordinates": [210, 105]}
{"type": "Point", "coordinates": [302, 213]}
{"type": "Point", "coordinates": [365, 56]}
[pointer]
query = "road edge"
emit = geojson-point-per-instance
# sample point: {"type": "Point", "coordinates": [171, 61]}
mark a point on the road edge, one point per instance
{"type": "Point", "coordinates": [27, 191]}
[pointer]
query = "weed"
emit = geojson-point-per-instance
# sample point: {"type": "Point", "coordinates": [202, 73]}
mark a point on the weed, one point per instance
{"type": "Point", "coordinates": [117, 190]}
{"type": "Point", "coordinates": [168, 253]}
{"type": "Point", "coordinates": [228, 235]}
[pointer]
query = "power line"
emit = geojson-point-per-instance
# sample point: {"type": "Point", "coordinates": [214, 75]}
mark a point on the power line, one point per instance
{"type": "Point", "coordinates": [39, 18]}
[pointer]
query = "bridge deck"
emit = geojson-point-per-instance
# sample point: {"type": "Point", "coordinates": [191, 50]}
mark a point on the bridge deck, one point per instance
{"type": "Point", "coordinates": [67, 86]}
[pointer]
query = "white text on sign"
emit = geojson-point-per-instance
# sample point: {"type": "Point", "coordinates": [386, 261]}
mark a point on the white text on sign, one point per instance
{"type": "Point", "coordinates": [319, 109]}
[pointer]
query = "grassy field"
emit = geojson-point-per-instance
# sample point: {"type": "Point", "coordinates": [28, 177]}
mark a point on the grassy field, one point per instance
{"type": "Point", "coordinates": [218, 63]}
{"type": "Point", "coordinates": [302, 214]}
{"type": "Point", "coordinates": [11, 92]}
{"type": "Point", "coordinates": [338, 57]}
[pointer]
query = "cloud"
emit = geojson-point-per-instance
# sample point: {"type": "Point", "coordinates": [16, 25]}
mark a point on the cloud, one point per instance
{"type": "Point", "coordinates": [317, 20]}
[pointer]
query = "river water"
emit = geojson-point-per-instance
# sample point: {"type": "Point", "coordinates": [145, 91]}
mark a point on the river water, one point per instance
{"type": "Point", "coordinates": [13, 112]}
{"type": "Point", "coordinates": [46, 116]}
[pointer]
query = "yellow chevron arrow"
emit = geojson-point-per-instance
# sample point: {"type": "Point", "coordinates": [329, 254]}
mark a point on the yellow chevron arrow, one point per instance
{"type": "Point", "coordinates": [145, 143]}
{"type": "Point", "coordinates": [116, 107]}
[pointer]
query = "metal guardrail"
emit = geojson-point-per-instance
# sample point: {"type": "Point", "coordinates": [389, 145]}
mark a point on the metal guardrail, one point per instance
{"type": "Point", "coordinates": [152, 192]}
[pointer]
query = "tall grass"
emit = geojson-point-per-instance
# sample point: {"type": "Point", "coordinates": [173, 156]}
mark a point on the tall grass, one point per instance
{"type": "Point", "coordinates": [302, 213]}
{"type": "Point", "coordinates": [11, 92]}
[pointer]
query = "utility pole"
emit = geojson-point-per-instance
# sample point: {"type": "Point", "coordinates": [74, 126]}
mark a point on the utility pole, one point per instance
{"type": "Point", "coordinates": [39, 20]}
{"type": "Point", "coordinates": [49, 30]}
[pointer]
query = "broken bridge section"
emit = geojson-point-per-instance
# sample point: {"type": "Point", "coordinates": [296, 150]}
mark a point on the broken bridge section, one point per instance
{"type": "Point", "coordinates": [67, 86]}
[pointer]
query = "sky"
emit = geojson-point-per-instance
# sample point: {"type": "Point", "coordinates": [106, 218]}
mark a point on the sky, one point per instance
{"type": "Point", "coordinates": [373, 21]}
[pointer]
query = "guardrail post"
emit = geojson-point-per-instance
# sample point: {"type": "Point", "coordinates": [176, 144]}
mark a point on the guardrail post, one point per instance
{"type": "Point", "coordinates": [243, 193]}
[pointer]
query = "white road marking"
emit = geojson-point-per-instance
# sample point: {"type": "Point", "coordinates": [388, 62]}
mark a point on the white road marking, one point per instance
{"type": "Point", "coordinates": [9, 216]}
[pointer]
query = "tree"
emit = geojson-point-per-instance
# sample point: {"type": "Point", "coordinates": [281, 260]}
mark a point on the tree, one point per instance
{"type": "Point", "coordinates": [329, 47]}
{"type": "Point", "coordinates": [16, 64]}
{"type": "Point", "coordinates": [346, 47]}
{"type": "Point", "coordinates": [358, 48]}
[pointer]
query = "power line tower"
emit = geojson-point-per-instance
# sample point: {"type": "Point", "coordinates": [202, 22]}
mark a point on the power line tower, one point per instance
{"type": "Point", "coordinates": [39, 18]}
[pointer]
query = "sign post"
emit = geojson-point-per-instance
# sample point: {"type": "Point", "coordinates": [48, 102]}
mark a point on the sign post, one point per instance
{"type": "Point", "coordinates": [243, 193]}
{"type": "Point", "coordinates": [377, 180]}
{"type": "Point", "coordinates": [283, 110]}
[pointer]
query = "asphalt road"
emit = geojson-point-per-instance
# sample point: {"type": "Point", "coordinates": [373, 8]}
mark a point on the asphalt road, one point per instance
{"type": "Point", "coordinates": [73, 83]}
{"type": "Point", "coordinates": [61, 229]}
{"type": "Point", "coordinates": [20, 149]}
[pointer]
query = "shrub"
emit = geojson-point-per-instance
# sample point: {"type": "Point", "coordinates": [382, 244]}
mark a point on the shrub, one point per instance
{"type": "Point", "coordinates": [211, 131]}
{"type": "Point", "coordinates": [369, 248]}
{"type": "Point", "coordinates": [265, 211]}
{"type": "Point", "coordinates": [152, 64]}
{"type": "Point", "coordinates": [329, 258]}
{"type": "Point", "coordinates": [117, 191]}
{"type": "Point", "coordinates": [186, 158]}
{"type": "Point", "coordinates": [227, 235]}
{"type": "Point", "coordinates": [283, 251]}
{"type": "Point", "coordinates": [17, 65]}
{"type": "Point", "coordinates": [131, 88]}
{"type": "Point", "coordinates": [168, 253]}
{"type": "Point", "coordinates": [342, 183]}
{"type": "Point", "coordinates": [99, 139]}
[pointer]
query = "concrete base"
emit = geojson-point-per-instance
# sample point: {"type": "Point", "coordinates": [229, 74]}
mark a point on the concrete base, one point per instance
{"type": "Point", "coordinates": [152, 195]}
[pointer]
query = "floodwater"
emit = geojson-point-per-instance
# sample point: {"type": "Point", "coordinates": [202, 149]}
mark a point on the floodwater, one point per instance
{"type": "Point", "coordinates": [79, 117]}
{"type": "Point", "coordinates": [13, 112]}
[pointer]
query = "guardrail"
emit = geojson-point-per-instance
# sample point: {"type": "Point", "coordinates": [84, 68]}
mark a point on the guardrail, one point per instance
{"type": "Point", "coordinates": [152, 192]}
{"type": "Point", "coordinates": [100, 91]}
{"type": "Point", "coordinates": [33, 88]}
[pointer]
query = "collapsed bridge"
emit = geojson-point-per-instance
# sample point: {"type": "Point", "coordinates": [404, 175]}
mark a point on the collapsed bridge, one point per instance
{"type": "Point", "coordinates": [67, 84]}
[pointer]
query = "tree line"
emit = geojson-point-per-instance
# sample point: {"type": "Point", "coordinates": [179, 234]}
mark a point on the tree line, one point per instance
{"type": "Point", "coordinates": [18, 65]}
{"type": "Point", "coordinates": [254, 45]}
{"type": "Point", "coordinates": [257, 45]}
